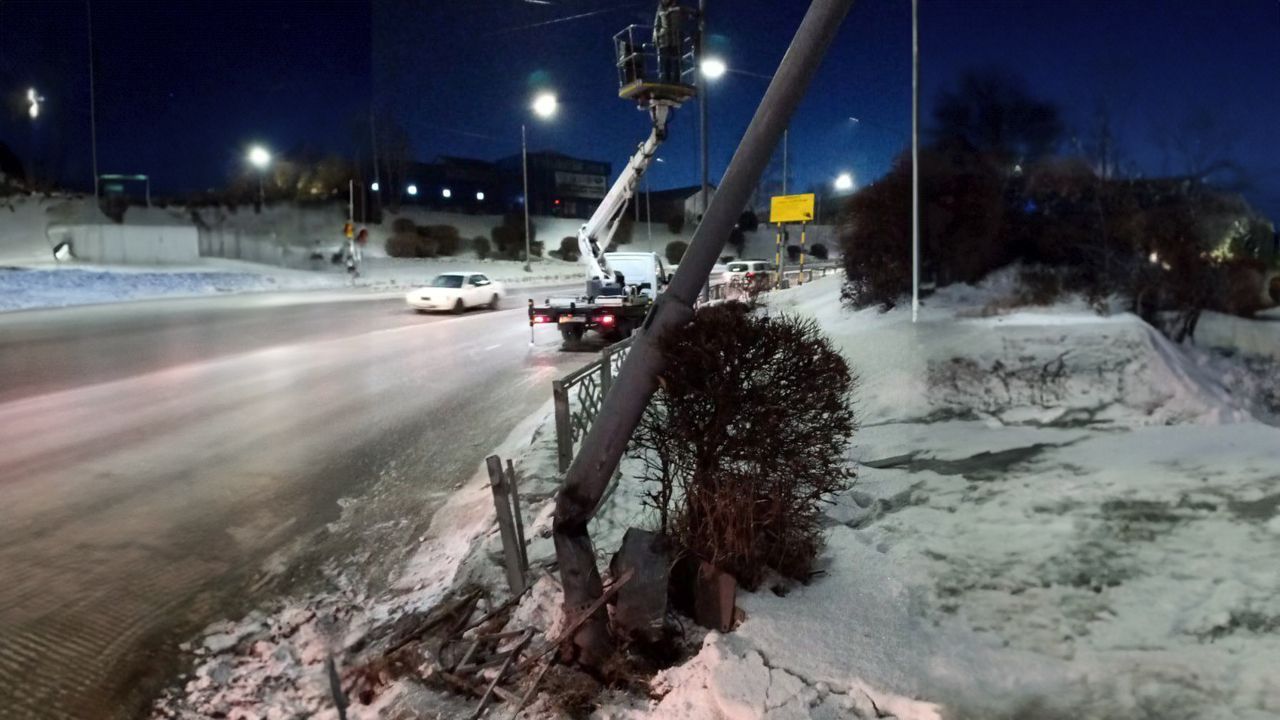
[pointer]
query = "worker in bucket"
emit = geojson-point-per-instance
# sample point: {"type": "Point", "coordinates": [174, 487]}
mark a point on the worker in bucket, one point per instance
{"type": "Point", "coordinates": [667, 39]}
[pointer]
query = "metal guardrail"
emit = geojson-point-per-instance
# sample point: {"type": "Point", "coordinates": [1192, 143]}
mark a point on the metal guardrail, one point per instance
{"type": "Point", "coordinates": [578, 397]}
{"type": "Point", "coordinates": [736, 290]}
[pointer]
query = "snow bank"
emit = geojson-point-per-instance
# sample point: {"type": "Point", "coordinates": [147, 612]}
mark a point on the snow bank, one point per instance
{"type": "Point", "coordinates": [26, 288]}
{"type": "Point", "coordinates": [41, 286]}
{"type": "Point", "coordinates": [1250, 337]}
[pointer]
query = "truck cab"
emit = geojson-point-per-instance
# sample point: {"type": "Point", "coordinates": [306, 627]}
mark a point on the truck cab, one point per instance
{"type": "Point", "coordinates": [644, 270]}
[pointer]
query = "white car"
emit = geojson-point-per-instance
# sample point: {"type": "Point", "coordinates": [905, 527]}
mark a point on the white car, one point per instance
{"type": "Point", "coordinates": [743, 272]}
{"type": "Point", "coordinates": [455, 292]}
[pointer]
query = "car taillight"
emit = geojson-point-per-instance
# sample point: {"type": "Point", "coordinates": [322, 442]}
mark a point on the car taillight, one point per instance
{"type": "Point", "coordinates": [606, 319]}
{"type": "Point", "coordinates": [541, 319]}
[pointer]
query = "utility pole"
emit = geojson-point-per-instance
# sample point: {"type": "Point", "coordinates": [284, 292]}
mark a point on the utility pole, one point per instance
{"type": "Point", "coordinates": [93, 114]}
{"type": "Point", "coordinates": [629, 394]}
{"type": "Point", "coordinates": [377, 180]}
{"type": "Point", "coordinates": [524, 157]}
{"type": "Point", "coordinates": [703, 87]}
{"type": "Point", "coordinates": [786, 141]}
{"type": "Point", "coordinates": [915, 161]}
{"type": "Point", "coordinates": [702, 107]}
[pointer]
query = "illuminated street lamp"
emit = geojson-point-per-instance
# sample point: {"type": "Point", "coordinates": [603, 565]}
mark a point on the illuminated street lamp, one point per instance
{"type": "Point", "coordinates": [412, 189]}
{"type": "Point", "coordinates": [34, 99]}
{"type": "Point", "coordinates": [544, 106]}
{"type": "Point", "coordinates": [844, 182]}
{"type": "Point", "coordinates": [260, 158]}
{"type": "Point", "coordinates": [713, 68]}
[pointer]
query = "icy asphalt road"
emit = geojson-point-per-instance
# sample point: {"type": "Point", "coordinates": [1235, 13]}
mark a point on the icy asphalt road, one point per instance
{"type": "Point", "coordinates": [167, 464]}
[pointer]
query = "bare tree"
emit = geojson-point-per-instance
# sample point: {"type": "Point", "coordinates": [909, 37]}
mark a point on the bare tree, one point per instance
{"type": "Point", "coordinates": [992, 113]}
{"type": "Point", "coordinates": [1201, 146]}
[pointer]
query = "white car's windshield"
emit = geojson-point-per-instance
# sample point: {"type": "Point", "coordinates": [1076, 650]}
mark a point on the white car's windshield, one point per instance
{"type": "Point", "coordinates": [447, 281]}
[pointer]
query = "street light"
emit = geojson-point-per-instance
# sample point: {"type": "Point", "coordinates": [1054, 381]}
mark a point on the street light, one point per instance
{"type": "Point", "coordinates": [544, 106]}
{"type": "Point", "coordinates": [844, 182]}
{"type": "Point", "coordinates": [260, 158]}
{"type": "Point", "coordinates": [375, 186]}
{"type": "Point", "coordinates": [34, 99]}
{"type": "Point", "coordinates": [412, 189]}
{"type": "Point", "coordinates": [713, 68]}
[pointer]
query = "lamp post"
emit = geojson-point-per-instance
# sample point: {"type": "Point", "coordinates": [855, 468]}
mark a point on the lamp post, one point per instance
{"type": "Point", "coordinates": [915, 161]}
{"type": "Point", "coordinates": [544, 106]}
{"type": "Point", "coordinates": [260, 158]}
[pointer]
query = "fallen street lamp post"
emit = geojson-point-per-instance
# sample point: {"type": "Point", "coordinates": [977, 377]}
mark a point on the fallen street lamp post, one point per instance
{"type": "Point", "coordinates": [625, 403]}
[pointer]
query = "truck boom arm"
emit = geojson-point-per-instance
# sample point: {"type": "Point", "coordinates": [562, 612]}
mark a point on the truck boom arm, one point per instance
{"type": "Point", "coordinates": [596, 233]}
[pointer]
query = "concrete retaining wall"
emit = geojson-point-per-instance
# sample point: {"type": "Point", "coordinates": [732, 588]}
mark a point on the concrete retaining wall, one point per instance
{"type": "Point", "coordinates": [129, 244]}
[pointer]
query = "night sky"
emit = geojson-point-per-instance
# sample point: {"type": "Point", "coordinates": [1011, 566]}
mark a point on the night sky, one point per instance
{"type": "Point", "coordinates": [184, 87]}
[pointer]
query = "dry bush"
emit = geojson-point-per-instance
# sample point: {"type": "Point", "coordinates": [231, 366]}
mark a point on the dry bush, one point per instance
{"type": "Point", "coordinates": [675, 251]}
{"type": "Point", "coordinates": [568, 249]}
{"type": "Point", "coordinates": [1038, 286]}
{"type": "Point", "coordinates": [447, 239]}
{"type": "Point", "coordinates": [481, 246]}
{"type": "Point", "coordinates": [745, 440]}
{"type": "Point", "coordinates": [402, 246]}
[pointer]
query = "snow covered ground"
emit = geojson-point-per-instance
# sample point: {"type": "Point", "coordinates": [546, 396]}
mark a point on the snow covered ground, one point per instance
{"type": "Point", "coordinates": [48, 285]}
{"type": "Point", "coordinates": [1058, 515]}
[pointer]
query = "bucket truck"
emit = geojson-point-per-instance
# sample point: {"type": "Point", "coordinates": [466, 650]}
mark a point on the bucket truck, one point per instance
{"type": "Point", "coordinates": [620, 286]}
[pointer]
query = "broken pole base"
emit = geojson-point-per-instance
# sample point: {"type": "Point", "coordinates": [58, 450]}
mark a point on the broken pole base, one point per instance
{"type": "Point", "coordinates": [591, 645]}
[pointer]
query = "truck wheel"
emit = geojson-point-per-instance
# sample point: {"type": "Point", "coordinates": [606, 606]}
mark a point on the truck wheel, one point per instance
{"type": "Point", "coordinates": [571, 334]}
{"type": "Point", "coordinates": [458, 307]}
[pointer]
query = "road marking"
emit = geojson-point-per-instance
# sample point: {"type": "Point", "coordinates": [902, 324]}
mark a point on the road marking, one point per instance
{"type": "Point", "coordinates": [494, 347]}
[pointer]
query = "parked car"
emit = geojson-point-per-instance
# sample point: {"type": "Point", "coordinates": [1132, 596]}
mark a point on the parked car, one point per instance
{"type": "Point", "coordinates": [747, 272]}
{"type": "Point", "coordinates": [455, 292]}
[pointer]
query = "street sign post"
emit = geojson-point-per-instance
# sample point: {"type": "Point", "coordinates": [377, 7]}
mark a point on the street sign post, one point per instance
{"type": "Point", "coordinates": [785, 209]}
{"type": "Point", "coordinates": [791, 208]}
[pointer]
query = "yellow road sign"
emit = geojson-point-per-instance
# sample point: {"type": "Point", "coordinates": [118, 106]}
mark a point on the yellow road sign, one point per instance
{"type": "Point", "coordinates": [791, 208]}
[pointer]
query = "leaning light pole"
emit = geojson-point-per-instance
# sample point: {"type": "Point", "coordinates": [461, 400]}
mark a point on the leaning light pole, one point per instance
{"type": "Point", "coordinates": [628, 396]}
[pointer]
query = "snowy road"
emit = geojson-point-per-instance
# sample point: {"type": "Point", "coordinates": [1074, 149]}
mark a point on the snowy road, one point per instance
{"type": "Point", "coordinates": [168, 464]}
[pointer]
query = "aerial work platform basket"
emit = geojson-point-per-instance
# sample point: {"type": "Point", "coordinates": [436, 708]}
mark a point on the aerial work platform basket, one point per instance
{"type": "Point", "coordinates": [647, 73]}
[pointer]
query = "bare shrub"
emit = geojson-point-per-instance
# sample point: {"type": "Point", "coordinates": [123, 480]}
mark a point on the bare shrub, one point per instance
{"type": "Point", "coordinates": [675, 251]}
{"type": "Point", "coordinates": [675, 223]}
{"type": "Point", "coordinates": [569, 248]}
{"type": "Point", "coordinates": [481, 246]}
{"type": "Point", "coordinates": [1038, 286]}
{"type": "Point", "coordinates": [745, 441]}
{"type": "Point", "coordinates": [402, 246]}
{"type": "Point", "coordinates": [447, 239]}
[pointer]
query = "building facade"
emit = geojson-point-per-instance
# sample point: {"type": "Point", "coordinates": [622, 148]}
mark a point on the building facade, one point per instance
{"type": "Point", "coordinates": [559, 185]}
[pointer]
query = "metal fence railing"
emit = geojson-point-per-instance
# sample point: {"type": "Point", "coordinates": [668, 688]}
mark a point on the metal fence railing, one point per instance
{"type": "Point", "coordinates": [579, 395]}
